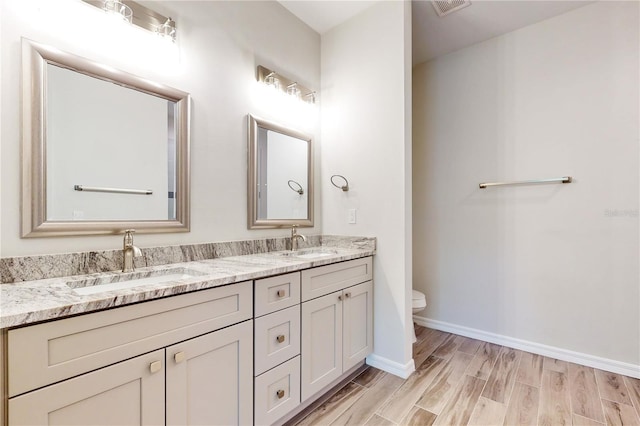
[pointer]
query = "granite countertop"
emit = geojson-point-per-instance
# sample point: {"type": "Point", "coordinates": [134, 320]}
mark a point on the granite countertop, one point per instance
{"type": "Point", "coordinates": [33, 301]}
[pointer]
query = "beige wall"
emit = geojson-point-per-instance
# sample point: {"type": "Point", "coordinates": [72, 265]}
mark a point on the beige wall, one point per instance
{"type": "Point", "coordinates": [555, 265]}
{"type": "Point", "coordinates": [219, 46]}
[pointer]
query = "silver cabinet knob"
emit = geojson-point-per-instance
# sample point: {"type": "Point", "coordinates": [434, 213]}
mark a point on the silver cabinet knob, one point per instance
{"type": "Point", "coordinates": [280, 338]}
{"type": "Point", "coordinates": [347, 294]}
{"type": "Point", "coordinates": [179, 357]}
{"type": "Point", "coordinates": [280, 393]}
{"type": "Point", "coordinates": [155, 366]}
{"type": "Point", "coordinates": [340, 298]}
{"type": "Point", "coordinates": [280, 293]}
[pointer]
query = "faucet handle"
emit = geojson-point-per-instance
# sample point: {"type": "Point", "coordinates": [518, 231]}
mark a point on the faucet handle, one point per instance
{"type": "Point", "coordinates": [128, 237]}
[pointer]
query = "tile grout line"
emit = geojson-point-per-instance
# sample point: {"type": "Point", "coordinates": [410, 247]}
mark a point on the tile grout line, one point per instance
{"type": "Point", "coordinates": [513, 388]}
{"type": "Point", "coordinates": [475, 407]}
{"type": "Point", "coordinates": [345, 409]}
{"type": "Point", "coordinates": [569, 387]}
{"type": "Point", "coordinates": [391, 421]}
{"type": "Point", "coordinates": [633, 404]}
{"type": "Point", "coordinates": [600, 399]}
{"type": "Point", "coordinates": [616, 402]}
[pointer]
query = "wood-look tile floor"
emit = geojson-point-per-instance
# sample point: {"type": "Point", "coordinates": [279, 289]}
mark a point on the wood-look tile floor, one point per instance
{"type": "Point", "coordinates": [462, 381]}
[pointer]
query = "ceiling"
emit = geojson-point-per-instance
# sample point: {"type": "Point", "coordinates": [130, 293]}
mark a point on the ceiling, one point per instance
{"type": "Point", "coordinates": [434, 36]}
{"type": "Point", "coordinates": [322, 15]}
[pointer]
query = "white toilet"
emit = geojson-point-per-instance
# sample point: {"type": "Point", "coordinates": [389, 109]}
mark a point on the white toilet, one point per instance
{"type": "Point", "coordinates": [418, 303]}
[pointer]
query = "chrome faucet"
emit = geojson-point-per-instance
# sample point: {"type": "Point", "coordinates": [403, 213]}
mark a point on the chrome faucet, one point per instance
{"type": "Point", "coordinates": [295, 236]}
{"type": "Point", "coordinates": [129, 251]}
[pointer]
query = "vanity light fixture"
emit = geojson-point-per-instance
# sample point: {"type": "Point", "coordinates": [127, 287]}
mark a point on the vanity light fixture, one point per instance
{"type": "Point", "coordinates": [139, 15]}
{"type": "Point", "coordinates": [118, 9]}
{"type": "Point", "coordinates": [278, 81]}
{"type": "Point", "coordinates": [272, 81]}
{"type": "Point", "coordinates": [311, 97]}
{"type": "Point", "coordinates": [292, 90]}
{"type": "Point", "coordinates": [168, 29]}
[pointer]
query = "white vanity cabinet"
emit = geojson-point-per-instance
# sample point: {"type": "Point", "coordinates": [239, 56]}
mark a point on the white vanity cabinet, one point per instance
{"type": "Point", "coordinates": [114, 367]}
{"type": "Point", "coordinates": [337, 321]}
{"type": "Point", "coordinates": [251, 352]}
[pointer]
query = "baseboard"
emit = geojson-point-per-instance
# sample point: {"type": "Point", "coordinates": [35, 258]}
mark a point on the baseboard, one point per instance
{"type": "Point", "coordinates": [392, 367]}
{"type": "Point", "coordinates": [606, 364]}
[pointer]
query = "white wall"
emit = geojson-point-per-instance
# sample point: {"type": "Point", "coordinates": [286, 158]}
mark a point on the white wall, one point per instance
{"type": "Point", "coordinates": [366, 89]}
{"type": "Point", "coordinates": [219, 46]}
{"type": "Point", "coordinates": [555, 264]}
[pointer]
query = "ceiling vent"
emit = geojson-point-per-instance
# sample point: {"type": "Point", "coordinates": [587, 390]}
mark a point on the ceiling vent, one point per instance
{"type": "Point", "coordinates": [445, 7]}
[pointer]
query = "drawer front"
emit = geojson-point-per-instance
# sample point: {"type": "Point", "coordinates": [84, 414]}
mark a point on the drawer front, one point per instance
{"type": "Point", "coordinates": [46, 353]}
{"type": "Point", "coordinates": [320, 281]}
{"type": "Point", "coordinates": [277, 338]}
{"type": "Point", "coordinates": [276, 293]}
{"type": "Point", "coordinates": [277, 392]}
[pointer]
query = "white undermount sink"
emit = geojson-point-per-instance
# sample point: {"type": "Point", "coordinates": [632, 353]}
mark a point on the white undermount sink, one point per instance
{"type": "Point", "coordinates": [130, 280]}
{"type": "Point", "coordinates": [309, 253]}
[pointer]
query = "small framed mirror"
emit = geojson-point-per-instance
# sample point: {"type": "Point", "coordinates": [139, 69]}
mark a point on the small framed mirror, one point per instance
{"type": "Point", "coordinates": [280, 178]}
{"type": "Point", "coordinates": [103, 150]}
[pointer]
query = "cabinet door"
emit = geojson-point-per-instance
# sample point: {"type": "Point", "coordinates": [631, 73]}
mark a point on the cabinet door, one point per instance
{"type": "Point", "coordinates": [357, 324]}
{"type": "Point", "coordinates": [128, 393]}
{"type": "Point", "coordinates": [210, 378]}
{"type": "Point", "coordinates": [321, 342]}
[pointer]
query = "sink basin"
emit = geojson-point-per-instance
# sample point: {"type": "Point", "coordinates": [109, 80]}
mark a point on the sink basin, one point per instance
{"type": "Point", "coordinates": [313, 255]}
{"type": "Point", "coordinates": [309, 253]}
{"type": "Point", "coordinates": [130, 280]}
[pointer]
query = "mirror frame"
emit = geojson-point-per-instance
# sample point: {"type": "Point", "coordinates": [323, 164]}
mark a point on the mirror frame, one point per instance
{"type": "Point", "coordinates": [252, 201]}
{"type": "Point", "coordinates": [35, 58]}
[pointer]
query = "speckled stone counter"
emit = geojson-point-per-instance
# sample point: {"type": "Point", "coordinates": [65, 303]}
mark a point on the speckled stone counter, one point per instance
{"type": "Point", "coordinates": [28, 302]}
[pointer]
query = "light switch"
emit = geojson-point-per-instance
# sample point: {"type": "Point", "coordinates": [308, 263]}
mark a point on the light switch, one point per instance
{"type": "Point", "coordinates": [351, 217]}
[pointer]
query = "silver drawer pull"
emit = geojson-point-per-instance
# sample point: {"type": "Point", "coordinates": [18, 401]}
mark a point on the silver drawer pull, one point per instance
{"type": "Point", "coordinates": [155, 366]}
{"type": "Point", "coordinates": [280, 293]}
{"type": "Point", "coordinates": [280, 394]}
{"type": "Point", "coordinates": [280, 338]}
{"type": "Point", "coordinates": [179, 357]}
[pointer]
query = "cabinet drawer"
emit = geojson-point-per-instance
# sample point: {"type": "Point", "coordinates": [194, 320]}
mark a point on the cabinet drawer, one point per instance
{"type": "Point", "coordinates": [275, 293]}
{"type": "Point", "coordinates": [317, 282]}
{"type": "Point", "coordinates": [46, 353]}
{"type": "Point", "coordinates": [277, 338]}
{"type": "Point", "coordinates": [277, 392]}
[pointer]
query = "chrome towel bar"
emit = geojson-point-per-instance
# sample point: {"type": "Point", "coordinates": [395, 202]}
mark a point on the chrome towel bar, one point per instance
{"type": "Point", "coordinates": [564, 179]}
{"type": "Point", "coordinates": [114, 190]}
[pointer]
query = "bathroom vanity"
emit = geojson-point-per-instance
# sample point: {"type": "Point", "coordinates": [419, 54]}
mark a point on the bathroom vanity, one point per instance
{"type": "Point", "coordinates": [237, 340]}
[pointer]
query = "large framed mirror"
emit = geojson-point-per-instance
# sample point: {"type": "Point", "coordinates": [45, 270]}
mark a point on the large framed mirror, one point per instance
{"type": "Point", "coordinates": [280, 178]}
{"type": "Point", "coordinates": [103, 150]}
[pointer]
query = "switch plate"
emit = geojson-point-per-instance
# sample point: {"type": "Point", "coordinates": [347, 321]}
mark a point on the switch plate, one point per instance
{"type": "Point", "coordinates": [351, 216]}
